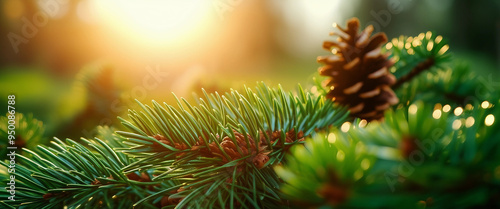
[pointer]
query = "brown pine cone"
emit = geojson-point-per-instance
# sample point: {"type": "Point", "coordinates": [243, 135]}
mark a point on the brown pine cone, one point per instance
{"type": "Point", "coordinates": [164, 140]}
{"type": "Point", "coordinates": [258, 155]}
{"type": "Point", "coordinates": [359, 72]}
{"type": "Point", "coordinates": [289, 138]}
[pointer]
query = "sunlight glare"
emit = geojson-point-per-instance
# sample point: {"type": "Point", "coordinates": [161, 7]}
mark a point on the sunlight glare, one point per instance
{"type": "Point", "coordinates": [150, 20]}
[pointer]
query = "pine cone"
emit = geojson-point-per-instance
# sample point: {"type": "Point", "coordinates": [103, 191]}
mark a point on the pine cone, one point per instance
{"type": "Point", "coordinates": [334, 191]}
{"type": "Point", "coordinates": [168, 200]}
{"type": "Point", "coordinates": [258, 157]}
{"type": "Point", "coordinates": [164, 140]}
{"type": "Point", "coordinates": [359, 71]}
{"type": "Point", "coordinates": [290, 137]}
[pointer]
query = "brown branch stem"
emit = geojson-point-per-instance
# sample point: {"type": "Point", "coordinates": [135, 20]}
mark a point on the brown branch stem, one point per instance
{"type": "Point", "coordinates": [421, 67]}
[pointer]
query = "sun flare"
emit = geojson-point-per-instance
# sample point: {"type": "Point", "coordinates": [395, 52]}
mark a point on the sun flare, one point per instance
{"type": "Point", "coordinates": [159, 22]}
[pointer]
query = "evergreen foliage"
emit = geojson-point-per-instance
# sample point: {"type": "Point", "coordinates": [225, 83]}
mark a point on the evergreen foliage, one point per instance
{"type": "Point", "coordinates": [70, 174]}
{"type": "Point", "coordinates": [28, 133]}
{"type": "Point", "coordinates": [267, 147]}
{"type": "Point", "coordinates": [416, 158]}
{"type": "Point", "coordinates": [240, 129]}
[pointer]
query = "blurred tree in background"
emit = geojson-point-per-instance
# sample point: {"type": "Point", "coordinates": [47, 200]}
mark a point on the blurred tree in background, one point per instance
{"type": "Point", "coordinates": [85, 68]}
{"type": "Point", "coordinates": [212, 44]}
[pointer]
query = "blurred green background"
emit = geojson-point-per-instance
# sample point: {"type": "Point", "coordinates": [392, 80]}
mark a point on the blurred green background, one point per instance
{"type": "Point", "coordinates": [76, 64]}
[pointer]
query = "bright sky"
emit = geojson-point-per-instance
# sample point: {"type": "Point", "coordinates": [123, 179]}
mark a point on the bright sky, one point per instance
{"type": "Point", "coordinates": [158, 22]}
{"type": "Point", "coordinates": [175, 22]}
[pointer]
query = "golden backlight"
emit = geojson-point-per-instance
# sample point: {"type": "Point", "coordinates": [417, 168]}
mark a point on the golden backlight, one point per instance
{"type": "Point", "coordinates": [153, 21]}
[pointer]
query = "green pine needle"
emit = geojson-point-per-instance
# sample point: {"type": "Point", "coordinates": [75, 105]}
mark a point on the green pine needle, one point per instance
{"type": "Point", "coordinates": [254, 114]}
{"type": "Point", "coordinates": [70, 174]}
{"type": "Point", "coordinates": [418, 152]}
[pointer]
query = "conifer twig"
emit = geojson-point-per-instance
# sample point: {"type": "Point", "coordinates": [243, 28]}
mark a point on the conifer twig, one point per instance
{"type": "Point", "coordinates": [421, 67]}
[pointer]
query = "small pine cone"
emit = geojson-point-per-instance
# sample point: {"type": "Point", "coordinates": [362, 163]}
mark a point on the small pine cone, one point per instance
{"type": "Point", "coordinates": [334, 191]}
{"type": "Point", "coordinates": [231, 149]}
{"type": "Point", "coordinates": [290, 137]}
{"type": "Point", "coordinates": [202, 148]}
{"type": "Point", "coordinates": [260, 160]}
{"type": "Point", "coordinates": [164, 140]}
{"type": "Point", "coordinates": [173, 200]}
{"type": "Point", "coordinates": [273, 136]}
{"type": "Point", "coordinates": [408, 145]}
{"type": "Point", "coordinates": [359, 71]}
{"type": "Point", "coordinates": [333, 194]}
{"type": "Point", "coordinates": [144, 177]}
{"type": "Point", "coordinates": [164, 201]}
{"type": "Point", "coordinates": [48, 196]}
{"type": "Point", "coordinates": [95, 182]}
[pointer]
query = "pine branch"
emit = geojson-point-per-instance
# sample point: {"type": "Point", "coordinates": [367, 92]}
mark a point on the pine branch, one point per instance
{"type": "Point", "coordinates": [418, 155]}
{"type": "Point", "coordinates": [28, 133]}
{"type": "Point", "coordinates": [414, 55]}
{"type": "Point", "coordinates": [74, 176]}
{"type": "Point", "coordinates": [421, 67]}
{"type": "Point", "coordinates": [222, 149]}
{"type": "Point", "coordinates": [455, 86]}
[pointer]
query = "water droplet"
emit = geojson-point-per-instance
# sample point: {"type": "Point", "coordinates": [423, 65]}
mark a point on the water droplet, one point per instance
{"type": "Point", "coordinates": [436, 114]}
{"type": "Point", "coordinates": [446, 108]}
{"type": "Point", "coordinates": [428, 35]}
{"type": "Point", "coordinates": [332, 138]}
{"type": "Point", "coordinates": [456, 124]}
{"type": "Point", "coordinates": [365, 164]}
{"type": "Point", "coordinates": [340, 155]}
{"type": "Point", "coordinates": [489, 120]}
{"type": "Point", "coordinates": [443, 49]}
{"type": "Point", "coordinates": [345, 127]}
{"type": "Point", "coordinates": [363, 123]}
{"type": "Point", "coordinates": [416, 42]}
{"type": "Point", "coordinates": [358, 174]}
{"type": "Point", "coordinates": [469, 122]}
{"type": "Point", "coordinates": [407, 45]}
{"type": "Point", "coordinates": [412, 109]}
{"type": "Point", "coordinates": [388, 46]}
{"type": "Point", "coordinates": [438, 39]}
{"type": "Point", "coordinates": [485, 104]}
{"type": "Point", "coordinates": [458, 111]}
{"type": "Point", "coordinates": [421, 36]}
{"type": "Point", "coordinates": [314, 90]}
{"type": "Point", "coordinates": [394, 41]}
{"type": "Point", "coordinates": [430, 45]}
{"type": "Point", "coordinates": [401, 44]}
